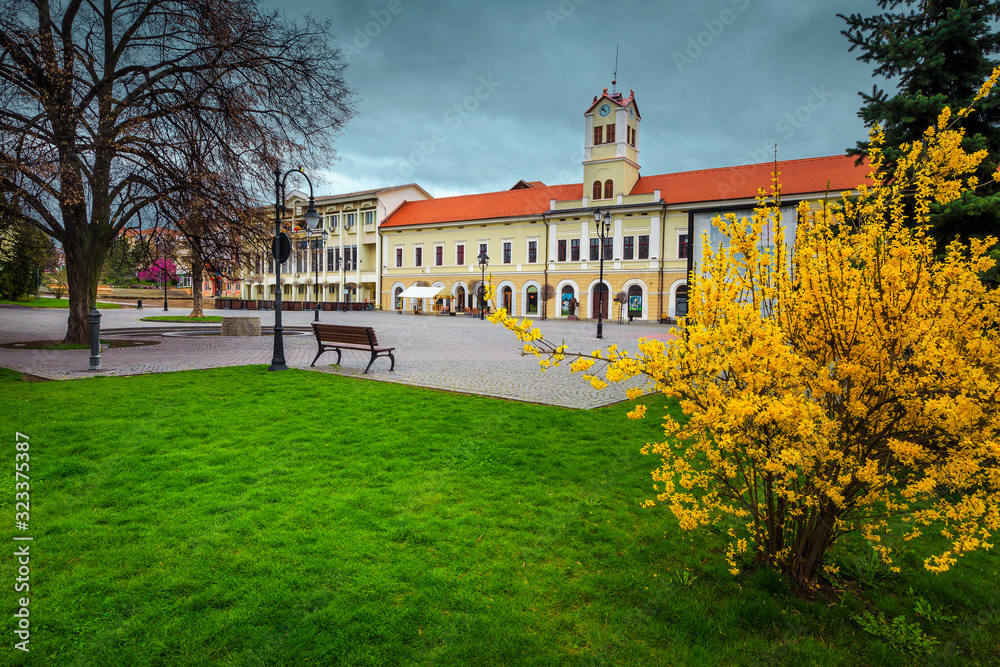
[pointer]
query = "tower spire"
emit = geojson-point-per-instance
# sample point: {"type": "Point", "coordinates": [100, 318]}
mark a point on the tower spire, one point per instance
{"type": "Point", "coordinates": [614, 78]}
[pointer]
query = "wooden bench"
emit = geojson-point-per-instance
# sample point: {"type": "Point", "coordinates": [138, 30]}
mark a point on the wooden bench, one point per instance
{"type": "Point", "coordinates": [338, 337]}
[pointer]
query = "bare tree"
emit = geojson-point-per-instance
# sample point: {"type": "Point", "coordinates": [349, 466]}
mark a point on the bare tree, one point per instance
{"type": "Point", "coordinates": [546, 293]}
{"type": "Point", "coordinates": [97, 100]}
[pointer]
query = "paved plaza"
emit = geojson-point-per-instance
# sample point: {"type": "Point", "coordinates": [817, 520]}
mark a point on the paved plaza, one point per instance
{"type": "Point", "coordinates": [451, 353]}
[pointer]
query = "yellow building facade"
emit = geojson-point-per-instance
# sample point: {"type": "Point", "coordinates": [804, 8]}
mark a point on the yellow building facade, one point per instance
{"type": "Point", "coordinates": [544, 247]}
{"type": "Point", "coordinates": [337, 262]}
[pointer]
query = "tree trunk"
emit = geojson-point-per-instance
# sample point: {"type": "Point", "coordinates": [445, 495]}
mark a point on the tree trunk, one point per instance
{"type": "Point", "coordinates": [197, 271]}
{"type": "Point", "coordinates": [83, 273]}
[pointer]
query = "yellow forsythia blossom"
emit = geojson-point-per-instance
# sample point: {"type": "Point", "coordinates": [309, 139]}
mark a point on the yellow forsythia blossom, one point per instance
{"type": "Point", "coordinates": [844, 380]}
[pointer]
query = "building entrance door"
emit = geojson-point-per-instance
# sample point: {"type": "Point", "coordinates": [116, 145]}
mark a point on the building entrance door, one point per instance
{"type": "Point", "coordinates": [600, 300]}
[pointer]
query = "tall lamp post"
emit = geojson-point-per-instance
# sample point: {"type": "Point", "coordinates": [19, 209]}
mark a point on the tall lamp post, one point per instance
{"type": "Point", "coordinates": [317, 244]}
{"type": "Point", "coordinates": [603, 223]}
{"type": "Point", "coordinates": [280, 250]}
{"type": "Point", "coordinates": [484, 261]}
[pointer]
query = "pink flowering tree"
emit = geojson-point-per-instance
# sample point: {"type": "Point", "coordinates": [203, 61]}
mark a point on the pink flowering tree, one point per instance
{"type": "Point", "coordinates": [160, 270]}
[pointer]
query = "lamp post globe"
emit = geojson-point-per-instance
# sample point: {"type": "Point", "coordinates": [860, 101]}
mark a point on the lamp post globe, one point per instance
{"type": "Point", "coordinates": [484, 261]}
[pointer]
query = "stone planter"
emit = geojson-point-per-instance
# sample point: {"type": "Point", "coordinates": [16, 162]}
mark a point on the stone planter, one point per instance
{"type": "Point", "coordinates": [241, 326]}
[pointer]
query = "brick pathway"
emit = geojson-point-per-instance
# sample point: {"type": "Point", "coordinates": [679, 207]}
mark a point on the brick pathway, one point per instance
{"type": "Point", "coordinates": [451, 353]}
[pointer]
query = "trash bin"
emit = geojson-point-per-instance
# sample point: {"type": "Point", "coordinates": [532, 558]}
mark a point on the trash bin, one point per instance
{"type": "Point", "coordinates": [139, 304]}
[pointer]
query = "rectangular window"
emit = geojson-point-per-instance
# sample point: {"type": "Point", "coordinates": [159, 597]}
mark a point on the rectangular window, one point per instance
{"type": "Point", "coordinates": [628, 247]}
{"type": "Point", "coordinates": [300, 257]}
{"type": "Point", "coordinates": [418, 256]}
{"type": "Point", "coordinates": [611, 134]}
{"type": "Point", "coordinates": [532, 252]}
{"type": "Point", "coordinates": [399, 257]}
{"type": "Point", "coordinates": [609, 247]}
{"type": "Point", "coordinates": [682, 246]}
{"type": "Point", "coordinates": [482, 251]}
{"type": "Point", "coordinates": [369, 218]}
{"type": "Point", "coordinates": [460, 254]}
{"type": "Point", "coordinates": [598, 134]}
{"type": "Point", "coordinates": [350, 221]}
{"type": "Point", "coordinates": [644, 247]}
{"type": "Point", "coordinates": [506, 252]}
{"type": "Point", "coordinates": [333, 222]}
{"type": "Point", "coordinates": [438, 255]}
{"type": "Point", "coordinates": [561, 252]}
{"type": "Point", "coordinates": [574, 250]}
{"type": "Point", "coordinates": [595, 245]}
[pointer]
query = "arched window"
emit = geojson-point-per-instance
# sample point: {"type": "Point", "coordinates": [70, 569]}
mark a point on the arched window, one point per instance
{"type": "Point", "coordinates": [681, 307]}
{"type": "Point", "coordinates": [567, 294]}
{"type": "Point", "coordinates": [635, 301]}
{"type": "Point", "coordinates": [609, 189]}
{"type": "Point", "coordinates": [597, 189]}
{"type": "Point", "coordinates": [532, 305]}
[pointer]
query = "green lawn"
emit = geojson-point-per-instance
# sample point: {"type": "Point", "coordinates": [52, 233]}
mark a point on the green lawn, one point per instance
{"type": "Point", "coordinates": [240, 517]}
{"type": "Point", "coordinates": [54, 303]}
{"type": "Point", "coordinates": [182, 318]}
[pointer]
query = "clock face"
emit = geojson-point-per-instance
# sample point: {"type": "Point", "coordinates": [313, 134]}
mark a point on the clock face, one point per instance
{"type": "Point", "coordinates": [631, 114]}
{"type": "Point", "coordinates": [604, 110]}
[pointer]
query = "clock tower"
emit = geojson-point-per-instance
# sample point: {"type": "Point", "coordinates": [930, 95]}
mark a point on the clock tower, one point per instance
{"type": "Point", "coordinates": [610, 147]}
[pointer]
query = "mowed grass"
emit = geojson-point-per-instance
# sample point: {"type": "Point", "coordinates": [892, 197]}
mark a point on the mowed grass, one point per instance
{"type": "Point", "coordinates": [240, 517]}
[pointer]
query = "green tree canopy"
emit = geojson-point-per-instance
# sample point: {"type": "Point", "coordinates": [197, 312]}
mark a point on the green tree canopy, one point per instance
{"type": "Point", "coordinates": [935, 54]}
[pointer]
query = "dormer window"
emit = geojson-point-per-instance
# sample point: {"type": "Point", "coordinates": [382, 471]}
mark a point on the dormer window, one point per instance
{"type": "Point", "coordinates": [598, 135]}
{"type": "Point", "coordinates": [597, 189]}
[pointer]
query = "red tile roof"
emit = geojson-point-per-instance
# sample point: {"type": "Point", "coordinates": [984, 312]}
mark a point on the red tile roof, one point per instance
{"type": "Point", "coordinates": [617, 98]}
{"type": "Point", "coordinates": [503, 204]}
{"type": "Point", "coordinates": [797, 177]}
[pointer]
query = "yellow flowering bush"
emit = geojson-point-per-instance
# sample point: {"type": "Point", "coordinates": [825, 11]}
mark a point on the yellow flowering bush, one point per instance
{"type": "Point", "coordinates": [833, 382]}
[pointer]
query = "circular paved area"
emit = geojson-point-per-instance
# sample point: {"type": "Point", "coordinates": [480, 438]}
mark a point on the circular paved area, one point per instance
{"type": "Point", "coordinates": [451, 353]}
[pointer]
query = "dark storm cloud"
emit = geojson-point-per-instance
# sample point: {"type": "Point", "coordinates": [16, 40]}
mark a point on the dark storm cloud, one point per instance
{"type": "Point", "coordinates": [472, 96]}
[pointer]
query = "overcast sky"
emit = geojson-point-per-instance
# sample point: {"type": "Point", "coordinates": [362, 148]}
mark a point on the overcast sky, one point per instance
{"type": "Point", "coordinates": [465, 97]}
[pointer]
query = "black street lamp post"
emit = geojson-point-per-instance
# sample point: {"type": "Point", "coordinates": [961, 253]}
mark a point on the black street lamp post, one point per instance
{"type": "Point", "coordinates": [317, 244]}
{"type": "Point", "coordinates": [484, 261]}
{"type": "Point", "coordinates": [603, 223]}
{"type": "Point", "coordinates": [279, 251]}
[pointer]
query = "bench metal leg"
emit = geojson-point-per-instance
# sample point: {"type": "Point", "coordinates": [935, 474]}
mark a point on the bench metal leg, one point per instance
{"type": "Point", "coordinates": [375, 356]}
{"type": "Point", "coordinates": [322, 350]}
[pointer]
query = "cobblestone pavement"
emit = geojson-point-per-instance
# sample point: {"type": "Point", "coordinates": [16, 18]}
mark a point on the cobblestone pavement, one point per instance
{"type": "Point", "coordinates": [459, 353]}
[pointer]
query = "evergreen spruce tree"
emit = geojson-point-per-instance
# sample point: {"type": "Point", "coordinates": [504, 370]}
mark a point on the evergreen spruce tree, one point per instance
{"type": "Point", "coordinates": [937, 53]}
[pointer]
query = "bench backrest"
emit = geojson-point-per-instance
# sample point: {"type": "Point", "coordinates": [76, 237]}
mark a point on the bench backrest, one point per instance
{"type": "Point", "coordinates": [338, 333]}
